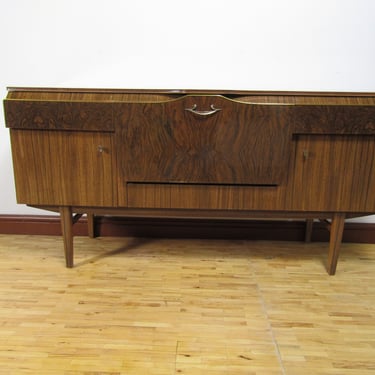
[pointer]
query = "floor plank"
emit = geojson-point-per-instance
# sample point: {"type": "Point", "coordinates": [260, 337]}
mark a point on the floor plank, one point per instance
{"type": "Point", "coordinates": [174, 306]}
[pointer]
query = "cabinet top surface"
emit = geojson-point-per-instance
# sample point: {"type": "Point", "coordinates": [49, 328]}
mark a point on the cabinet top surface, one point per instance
{"type": "Point", "coordinates": [187, 91]}
{"type": "Point", "coordinates": [162, 95]}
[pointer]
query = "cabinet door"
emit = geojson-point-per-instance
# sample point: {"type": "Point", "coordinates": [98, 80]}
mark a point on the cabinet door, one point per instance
{"type": "Point", "coordinates": [335, 173]}
{"type": "Point", "coordinates": [203, 140]}
{"type": "Point", "coordinates": [63, 167]}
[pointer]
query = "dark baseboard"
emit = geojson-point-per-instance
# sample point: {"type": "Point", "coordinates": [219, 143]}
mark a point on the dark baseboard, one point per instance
{"type": "Point", "coordinates": [279, 230]}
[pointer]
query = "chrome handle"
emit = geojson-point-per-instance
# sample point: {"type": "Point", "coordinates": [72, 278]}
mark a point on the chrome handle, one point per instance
{"type": "Point", "coordinates": [101, 149]}
{"type": "Point", "coordinates": [203, 113]}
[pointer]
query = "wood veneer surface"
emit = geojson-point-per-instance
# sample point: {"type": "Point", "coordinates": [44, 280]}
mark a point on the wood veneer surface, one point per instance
{"type": "Point", "coordinates": [248, 152]}
{"type": "Point", "coordinates": [143, 306]}
{"type": "Point", "coordinates": [123, 95]}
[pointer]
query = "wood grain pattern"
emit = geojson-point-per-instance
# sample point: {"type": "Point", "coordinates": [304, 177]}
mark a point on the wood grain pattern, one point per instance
{"type": "Point", "coordinates": [345, 166]}
{"type": "Point", "coordinates": [333, 119]}
{"type": "Point", "coordinates": [63, 168]}
{"type": "Point", "coordinates": [309, 98]}
{"type": "Point", "coordinates": [240, 144]}
{"type": "Point", "coordinates": [142, 95]}
{"type": "Point", "coordinates": [159, 306]}
{"type": "Point", "coordinates": [337, 229]}
{"type": "Point", "coordinates": [104, 97]}
{"type": "Point", "coordinates": [29, 114]}
{"type": "Point", "coordinates": [141, 152]}
{"type": "Point", "coordinates": [217, 197]}
{"type": "Point", "coordinates": [334, 173]}
{"type": "Point", "coordinates": [67, 233]}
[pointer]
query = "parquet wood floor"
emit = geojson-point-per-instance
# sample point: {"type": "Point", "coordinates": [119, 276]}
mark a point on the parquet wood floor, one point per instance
{"type": "Point", "coordinates": [169, 307]}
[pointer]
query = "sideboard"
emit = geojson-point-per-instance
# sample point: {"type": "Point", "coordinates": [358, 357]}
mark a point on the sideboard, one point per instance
{"type": "Point", "coordinates": [194, 153]}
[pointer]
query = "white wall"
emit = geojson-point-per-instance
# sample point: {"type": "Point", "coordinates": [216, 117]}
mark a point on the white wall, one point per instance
{"type": "Point", "coordinates": [224, 44]}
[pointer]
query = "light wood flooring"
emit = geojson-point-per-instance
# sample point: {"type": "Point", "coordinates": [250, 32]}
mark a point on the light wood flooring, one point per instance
{"type": "Point", "coordinates": [167, 306]}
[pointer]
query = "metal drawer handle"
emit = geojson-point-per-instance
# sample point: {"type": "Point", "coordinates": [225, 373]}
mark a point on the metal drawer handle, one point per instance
{"type": "Point", "coordinates": [203, 113]}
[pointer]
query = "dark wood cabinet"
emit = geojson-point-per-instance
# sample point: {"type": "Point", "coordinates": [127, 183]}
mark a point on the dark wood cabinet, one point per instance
{"type": "Point", "coordinates": [194, 153]}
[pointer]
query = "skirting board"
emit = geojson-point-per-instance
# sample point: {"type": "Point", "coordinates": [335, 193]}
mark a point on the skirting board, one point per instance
{"type": "Point", "coordinates": [279, 230]}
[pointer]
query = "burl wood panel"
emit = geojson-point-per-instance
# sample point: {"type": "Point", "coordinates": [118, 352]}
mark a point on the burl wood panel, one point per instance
{"type": "Point", "coordinates": [63, 168]}
{"type": "Point", "coordinates": [59, 115]}
{"type": "Point", "coordinates": [334, 119]}
{"type": "Point", "coordinates": [240, 144]}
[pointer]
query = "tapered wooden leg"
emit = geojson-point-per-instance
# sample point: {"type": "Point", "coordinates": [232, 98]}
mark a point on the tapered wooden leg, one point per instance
{"type": "Point", "coordinates": [337, 229]}
{"type": "Point", "coordinates": [309, 229]}
{"type": "Point", "coordinates": [91, 225]}
{"type": "Point", "coordinates": [67, 232]}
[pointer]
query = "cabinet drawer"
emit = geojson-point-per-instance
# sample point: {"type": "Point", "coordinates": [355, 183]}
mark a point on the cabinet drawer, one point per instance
{"type": "Point", "coordinates": [215, 197]}
{"type": "Point", "coordinates": [58, 115]}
